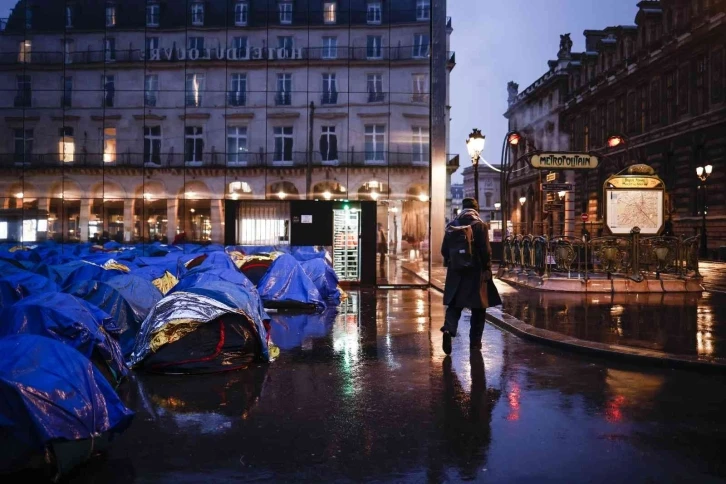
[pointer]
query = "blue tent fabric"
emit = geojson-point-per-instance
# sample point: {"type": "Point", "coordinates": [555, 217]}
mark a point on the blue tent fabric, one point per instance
{"type": "Point", "coordinates": [306, 253]}
{"type": "Point", "coordinates": [8, 294]}
{"type": "Point", "coordinates": [323, 276]}
{"type": "Point", "coordinates": [49, 392]}
{"type": "Point", "coordinates": [211, 260]}
{"type": "Point", "coordinates": [127, 299]}
{"type": "Point", "coordinates": [65, 275]}
{"type": "Point", "coordinates": [68, 319]}
{"type": "Point", "coordinates": [27, 283]}
{"type": "Point", "coordinates": [286, 285]}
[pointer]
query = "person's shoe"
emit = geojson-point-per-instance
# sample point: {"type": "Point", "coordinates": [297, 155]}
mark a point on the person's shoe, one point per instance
{"type": "Point", "coordinates": [447, 343]}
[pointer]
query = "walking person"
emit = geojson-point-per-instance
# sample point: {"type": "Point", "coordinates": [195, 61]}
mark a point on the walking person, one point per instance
{"type": "Point", "coordinates": [469, 284]}
{"type": "Point", "coordinates": [382, 244]}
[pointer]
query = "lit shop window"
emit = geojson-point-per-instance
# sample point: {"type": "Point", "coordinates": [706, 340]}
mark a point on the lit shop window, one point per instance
{"type": "Point", "coordinates": [109, 145]}
{"type": "Point", "coordinates": [67, 145]}
{"type": "Point", "coordinates": [330, 12]}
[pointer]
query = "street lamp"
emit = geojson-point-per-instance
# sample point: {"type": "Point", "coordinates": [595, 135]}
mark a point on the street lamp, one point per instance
{"type": "Point", "coordinates": [522, 200]}
{"type": "Point", "coordinates": [475, 146]}
{"type": "Point", "coordinates": [703, 172]}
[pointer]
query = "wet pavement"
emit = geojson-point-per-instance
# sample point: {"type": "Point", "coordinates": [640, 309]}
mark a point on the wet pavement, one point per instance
{"type": "Point", "coordinates": [393, 272]}
{"type": "Point", "coordinates": [368, 395]}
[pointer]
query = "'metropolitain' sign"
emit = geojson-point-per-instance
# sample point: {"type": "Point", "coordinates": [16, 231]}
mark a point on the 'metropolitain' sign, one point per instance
{"type": "Point", "coordinates": [232, 54]}
{"type": "Point", "coordinates": [564, 161]}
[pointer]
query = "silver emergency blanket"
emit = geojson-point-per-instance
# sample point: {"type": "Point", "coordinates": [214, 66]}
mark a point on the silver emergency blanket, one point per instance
{"type": "Point", "coordinates": [179, 314]}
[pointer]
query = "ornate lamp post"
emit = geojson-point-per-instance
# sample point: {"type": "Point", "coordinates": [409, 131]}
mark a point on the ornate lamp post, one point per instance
{"type": "Point", "coordinates": [703, 172]}
{"type": "Point", "coordinates": [475, 146]}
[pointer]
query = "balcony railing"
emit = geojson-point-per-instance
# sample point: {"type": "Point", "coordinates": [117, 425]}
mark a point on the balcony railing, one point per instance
{"type": "Point", "coordinates": [376, 97]}
{"type": "Point", "coordinates": [217, 160]}
{"type": "Point", "coordinates": [329, 98]}
{"type": "Point", "coordinates": [237, 98]}
{"type": "Point", "coordinates": [363, 53]}
{"type": "Point", "coordinates": [283, 99]}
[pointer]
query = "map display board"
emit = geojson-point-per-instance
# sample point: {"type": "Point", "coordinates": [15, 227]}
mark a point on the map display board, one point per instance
{"type": "Point", "coordinates": [628, 208]}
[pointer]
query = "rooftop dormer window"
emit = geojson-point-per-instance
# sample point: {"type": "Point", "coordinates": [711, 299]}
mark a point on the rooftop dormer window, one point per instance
{"type": "Point", "coordinates": [241, 13]}
{"type": "Point", "coordinates": [198, 14]}
{"type": "Point", "coordinates": [423, 10]}
{"type": "Point", "coordinates": [110, 15]}
{"type": "Point", "coordinates": [330, 12]}
{"type": "Point", "coordinates": [153, 12]}
{"type": "Point", "coordinates": [374, 12]}
{"type": "Point", "coordinates": [285, 9]}
{"type": "Point", "coordinates": [28, 17]}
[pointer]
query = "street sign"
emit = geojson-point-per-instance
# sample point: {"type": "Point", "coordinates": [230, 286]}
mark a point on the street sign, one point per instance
{"type": "Point", "coordinates": [585, 217]}
{"type": "Point", "coordinates": [557, 187]}
{"type": "Point", "coordinates": [551, 177]}
{"type": "Point", "coordinates": [564, 161]}
{"type": "Point", "coordinates": [553, 206]}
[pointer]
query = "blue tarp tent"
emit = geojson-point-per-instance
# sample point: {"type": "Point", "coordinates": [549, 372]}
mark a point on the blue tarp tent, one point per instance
{"type": "Point", "coordinates": [52, 397]}
{"type": "Point", "coordinates": [24, 284]}
{"type": "Point", "coordinates": [285, 285]}
{"type": "Point", "coordinates": [127, 299]}
{"type": "Point", "coordinates": [324, 278]}
{"type": "Point", "coordinates": [68, 319]}
{"type": "Point", "coordinates": [65, 275]}
{"type": "Point", "coordinates": [212, 260]}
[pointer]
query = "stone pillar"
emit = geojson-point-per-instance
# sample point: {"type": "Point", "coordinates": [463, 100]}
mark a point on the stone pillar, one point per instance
{"type": "Point", "coordinates": [83, 219]}
{"type": "Point", "coordinates": [172, 206]}
{"type": "Point", "coordinates": [128, 219]}
{"type": "Point", "coordinates": [217, 219]}
{"type": "Point", "coordinates": [570, 215]}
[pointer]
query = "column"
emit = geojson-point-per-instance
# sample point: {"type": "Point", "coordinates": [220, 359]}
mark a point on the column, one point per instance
{"type": "Point", "coordinates": [128, 219]}
{"type": "Point", "coordinates": [83, 219]}
{"type": "Point", "coordinates": [172, 206]}
{"type": "Point", "coordinates": [570, 205]}
{"type": "Point", "coordinates": [217, 221]}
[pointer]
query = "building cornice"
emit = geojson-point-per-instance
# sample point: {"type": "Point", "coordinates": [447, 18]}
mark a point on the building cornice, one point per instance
{"type": "Point", "coordinates": [283, 115]}
{"type": "Point", "coordinates": [240, 116]}
{"type": "Point", "coordinates": [185, 117]}
{"type": "Point", "coordinates": [112, 117]}
{"type": "Point", "coordinates": [66, 118]}
{"type": "Point", "coordinates": [152, 117]}
{"type": "Point", "coordinates": [375, 115]}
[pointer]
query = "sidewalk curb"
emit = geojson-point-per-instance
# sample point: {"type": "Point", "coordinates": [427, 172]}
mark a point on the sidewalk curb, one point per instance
{"type": "Point", "coordinates": [627, 354]}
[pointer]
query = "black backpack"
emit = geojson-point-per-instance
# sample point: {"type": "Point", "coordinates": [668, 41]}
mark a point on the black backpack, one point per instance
{"type": "Point", "coordinates": [460, 242]}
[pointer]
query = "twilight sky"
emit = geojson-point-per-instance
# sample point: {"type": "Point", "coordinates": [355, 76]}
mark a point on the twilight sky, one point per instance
{"type": "Point", "coordinates": [501, 41]}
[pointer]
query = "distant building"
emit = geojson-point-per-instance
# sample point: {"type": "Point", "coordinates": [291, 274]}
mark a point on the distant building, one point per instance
{"type": "Point", "coordinates": [662, 84]}
{"type": "Point", "coordinates": [489, 181]}
{"type": "Point", "coordinates": [457, 195]}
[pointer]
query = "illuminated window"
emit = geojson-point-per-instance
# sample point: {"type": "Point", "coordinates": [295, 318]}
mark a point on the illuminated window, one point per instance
{"type": "Point", "coordinates": [241, 13]}
{"type": "Point", "coordinates": [374, 13]}
{"type": "Point", "coordinates": [67, 145]}
{"type": "Point", "coordinates": [330, 47]}
{"type": "Point", "coordinates": [193, 144]}
{"type": "Point", "coordinates": [237, 89]}
{"type": "Point", "coordinates": [237, 145]}
{"type": "Point", "coordinates": [285, 9]}
{"type": "Point", "coordinates": [330, 12]}
{"type": "Point", "coordinates": [421, 43]}
{"type": "Point", "coordinates": [194, 90]}
{"type": "Point", "coordinates": [423, 9]}
{"type": "Point", "coordinates": [283, 144]}
{"type": "Point", "coordinates": [419, 88]}
{"type": "Point", "coordinates": [374, 47]}
{"type": "Point", "coordinates": [420, 145]}
{"type": "Point", "coordinates": [110, 16]}
{"type": "Point", "coordinates": [153, 12]}
{"type": "Point", "coordinates": [152, 144]}
{"type": "Point", "coordinates": [24, 51]}
{"type": "Point", "coordinates": [109, 145]}
{"type": "Point", "coordinates": [3, 230]}
{"type": "Point", "coordinates": [375, 142]}
{"type": "Point", "coordinates": [197, 14]}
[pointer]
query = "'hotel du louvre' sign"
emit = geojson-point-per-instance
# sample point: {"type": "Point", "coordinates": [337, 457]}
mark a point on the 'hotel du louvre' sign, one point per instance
{"type": "Point", "coordinates": [220, 53]}
{"type": "Point", "coordinates": [564, 161]}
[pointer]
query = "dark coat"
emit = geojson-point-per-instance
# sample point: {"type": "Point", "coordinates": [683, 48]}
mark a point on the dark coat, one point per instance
{"type": "Point", "coordinates": [472, 288]}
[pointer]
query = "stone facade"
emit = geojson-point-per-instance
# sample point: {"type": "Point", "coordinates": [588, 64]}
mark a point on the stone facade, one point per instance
{"type": "Point", "coordinates": [660, 84]}
{"type": "Point", "coordinates": [141, 118]}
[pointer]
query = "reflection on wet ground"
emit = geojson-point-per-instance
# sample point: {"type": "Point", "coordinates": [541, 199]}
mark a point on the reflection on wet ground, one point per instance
{"type": "Point", "coordinates": [391, 272]}
{"type": "Point", "coordinates": [679, 323]}
{"type": "Point", "coordinates": [368, 395]}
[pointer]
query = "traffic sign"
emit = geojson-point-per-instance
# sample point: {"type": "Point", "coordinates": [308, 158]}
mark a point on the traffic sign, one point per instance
{"type": "Point", "coordinates": [585, 217]}
{"type": "Point", "coordinates": [557, 187]}
{"type": "Point", "coordinates": [553, 206]}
